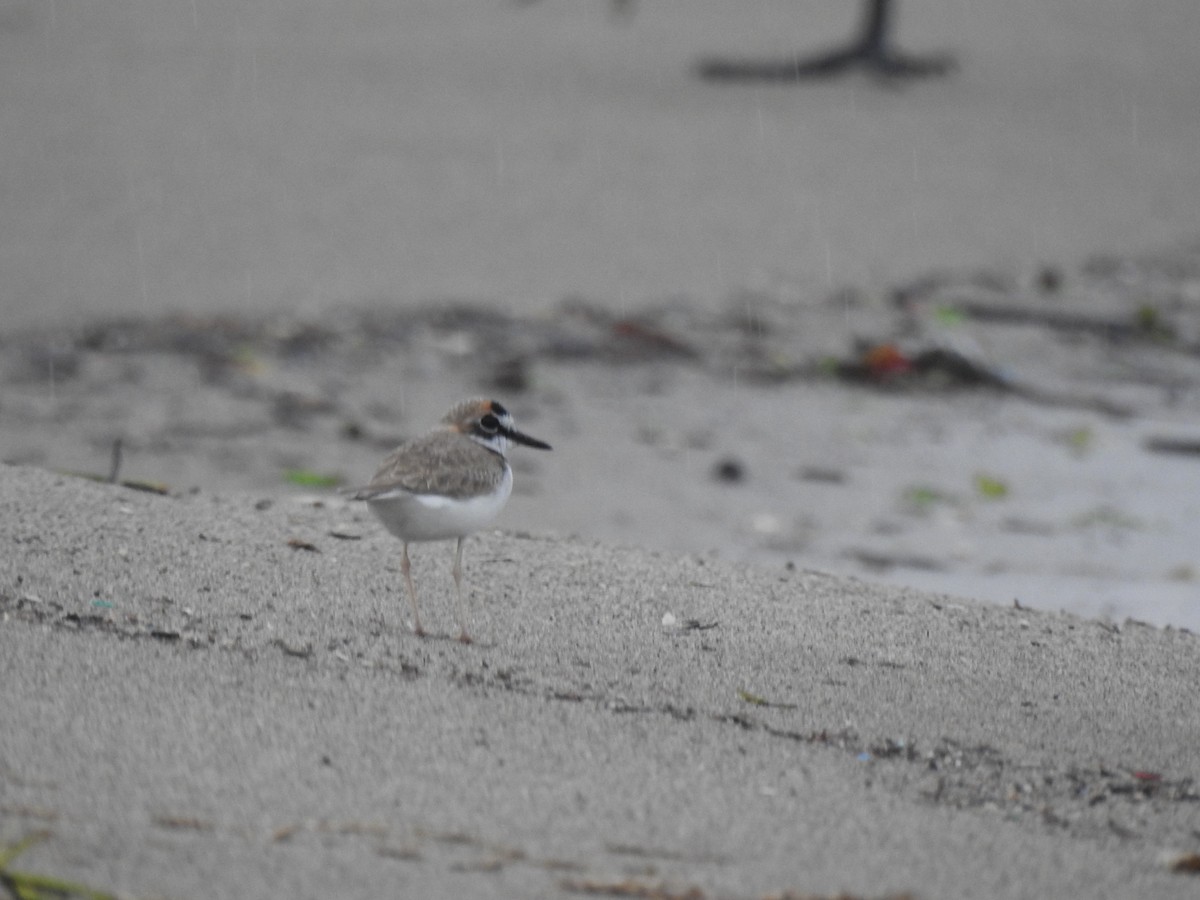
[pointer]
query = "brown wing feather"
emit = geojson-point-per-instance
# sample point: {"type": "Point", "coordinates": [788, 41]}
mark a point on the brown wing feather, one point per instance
{"type": "Point", "coordinates": [438, 463]}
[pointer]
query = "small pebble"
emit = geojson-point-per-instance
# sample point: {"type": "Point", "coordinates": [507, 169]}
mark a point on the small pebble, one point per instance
{"type": "Point", "coordinates": [729, 470]}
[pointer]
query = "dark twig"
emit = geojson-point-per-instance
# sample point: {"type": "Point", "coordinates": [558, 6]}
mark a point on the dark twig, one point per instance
{"type": "Point", "coordinates": [114, 471]}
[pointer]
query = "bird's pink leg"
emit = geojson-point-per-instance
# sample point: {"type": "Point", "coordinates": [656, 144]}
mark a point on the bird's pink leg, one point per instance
{"type": "Point", "coordinates": [406, 568]}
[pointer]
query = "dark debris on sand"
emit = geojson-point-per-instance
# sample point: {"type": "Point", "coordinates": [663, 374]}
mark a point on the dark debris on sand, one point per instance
{"type": "Point", "coordinates": [1119, 335]}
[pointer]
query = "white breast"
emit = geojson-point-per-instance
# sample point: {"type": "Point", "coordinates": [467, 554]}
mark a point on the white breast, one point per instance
{"type": "Point", "coordinates": [432, 517]}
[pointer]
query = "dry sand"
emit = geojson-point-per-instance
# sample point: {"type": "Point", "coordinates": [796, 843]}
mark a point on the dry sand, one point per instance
{"type": "Point", "coordinates": [196, 707]}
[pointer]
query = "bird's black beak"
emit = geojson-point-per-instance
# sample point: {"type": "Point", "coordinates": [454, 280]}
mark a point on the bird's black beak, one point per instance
{"type": "Point", "coordinates": [518, 438]}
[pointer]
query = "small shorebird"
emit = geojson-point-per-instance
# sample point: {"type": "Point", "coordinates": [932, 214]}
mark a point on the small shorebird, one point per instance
{"type": "Point", "coordinates": [448, 483]}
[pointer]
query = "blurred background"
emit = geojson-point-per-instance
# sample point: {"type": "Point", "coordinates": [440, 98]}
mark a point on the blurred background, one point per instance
{"type": "Point", "coordinates": [513, 189]}
{"type": "Point", "coordinates": [204, 155]}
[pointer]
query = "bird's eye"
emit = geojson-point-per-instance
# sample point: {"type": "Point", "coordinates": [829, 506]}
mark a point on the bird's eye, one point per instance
{"type": "Point", "coordinates": [490, 424]}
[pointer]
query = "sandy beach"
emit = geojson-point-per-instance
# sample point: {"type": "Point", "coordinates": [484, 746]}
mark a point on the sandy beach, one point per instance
{"type": "Point", "coordinates": [977, 437]}
{"type": "Point", "coordinates": [864, 565]}
{"type": "Point", "coordinates": [196, 706]}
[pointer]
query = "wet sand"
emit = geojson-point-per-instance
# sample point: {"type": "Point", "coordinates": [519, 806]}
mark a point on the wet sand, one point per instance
{"type": "Point", "coordinates": [968, 433]}
{"type": "Point", "coordinates": [232, 156]}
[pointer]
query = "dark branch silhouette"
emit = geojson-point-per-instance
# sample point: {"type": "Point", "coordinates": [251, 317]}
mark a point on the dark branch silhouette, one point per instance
{"type": "Point", "coordinates": [872, 51]}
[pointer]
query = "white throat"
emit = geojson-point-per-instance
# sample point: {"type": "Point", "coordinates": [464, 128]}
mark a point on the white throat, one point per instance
{"type": "Point", "coordinates": [497, 443]}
